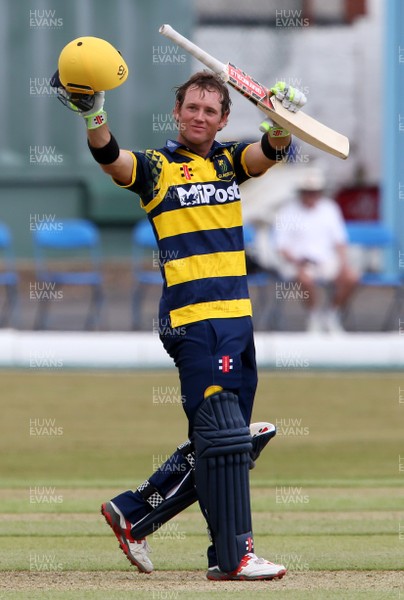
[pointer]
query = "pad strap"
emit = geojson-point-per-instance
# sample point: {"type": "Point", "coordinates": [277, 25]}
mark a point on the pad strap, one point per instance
{"type": "Point", "coordinates": [157, 507]}
{"type": "Point", "coordinates": [188, 453]}
{"type": "Point", "coordinates": [150, 494]}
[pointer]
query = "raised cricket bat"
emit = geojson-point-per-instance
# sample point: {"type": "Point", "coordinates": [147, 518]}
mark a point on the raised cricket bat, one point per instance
{"type": "Point", "coordinates": [300, 124]}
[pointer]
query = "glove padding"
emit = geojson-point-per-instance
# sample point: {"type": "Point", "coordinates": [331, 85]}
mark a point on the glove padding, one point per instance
{"type": "Point", "coordinates": [88, 106]}
{"type": "Point", "coordinates": [272, 129]}
{"type": "Point", "coordinates": [291, 98]}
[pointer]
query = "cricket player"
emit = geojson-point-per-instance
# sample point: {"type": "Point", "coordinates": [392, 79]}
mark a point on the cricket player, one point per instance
{"type": "Point", "coordinates": [311, 241]}
{"type": "Point", "coordinates": [190, 192]}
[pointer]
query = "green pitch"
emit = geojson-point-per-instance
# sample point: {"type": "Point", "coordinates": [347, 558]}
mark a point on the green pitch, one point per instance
{"type": "Point", "coordinates": [327, 493]}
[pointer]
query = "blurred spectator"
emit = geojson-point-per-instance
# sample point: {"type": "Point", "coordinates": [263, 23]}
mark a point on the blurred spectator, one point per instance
{"type": "Point", "coordinates": [311, 242]}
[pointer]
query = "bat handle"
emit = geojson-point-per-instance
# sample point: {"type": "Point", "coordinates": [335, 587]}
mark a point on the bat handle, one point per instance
{"type": "Point", "coordinates": [206, 58]}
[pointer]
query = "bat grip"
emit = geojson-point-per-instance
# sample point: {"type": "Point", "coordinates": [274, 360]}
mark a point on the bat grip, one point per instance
{"type": "Point", "coordinates": [206, 58]}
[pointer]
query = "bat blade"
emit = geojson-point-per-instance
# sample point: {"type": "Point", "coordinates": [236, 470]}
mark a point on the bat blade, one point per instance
{"type": "Point", "coordinates": [299, 124]}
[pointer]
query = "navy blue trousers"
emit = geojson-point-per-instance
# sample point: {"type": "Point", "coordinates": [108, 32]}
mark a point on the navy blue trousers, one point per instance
{"type": "Point", "coordinates": [211, 352]}
{"type": "Point", "coordinates": [214, 352]}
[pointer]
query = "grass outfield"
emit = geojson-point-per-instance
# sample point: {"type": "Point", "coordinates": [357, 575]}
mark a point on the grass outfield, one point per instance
{"type": "Point", "coordinates": [327, 493]}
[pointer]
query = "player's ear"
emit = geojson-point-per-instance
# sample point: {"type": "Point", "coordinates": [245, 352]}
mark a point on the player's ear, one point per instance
{"type": "Point", "coordinates": [223, 121]}
{"type": "Point", "coordinates": [176, 111]}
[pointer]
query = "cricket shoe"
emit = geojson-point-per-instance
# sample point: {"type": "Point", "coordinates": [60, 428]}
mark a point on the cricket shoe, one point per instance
{"type": "Point", "coordinates": [136, 551]}
{"type": "Point", "coordinates": [250, 568]}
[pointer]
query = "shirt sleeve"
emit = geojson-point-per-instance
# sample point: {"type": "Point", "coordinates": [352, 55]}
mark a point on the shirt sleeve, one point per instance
{"type": "Point", "coordinates": [141, 175]}
{"type": "Point", "coordinates": [237, 150]}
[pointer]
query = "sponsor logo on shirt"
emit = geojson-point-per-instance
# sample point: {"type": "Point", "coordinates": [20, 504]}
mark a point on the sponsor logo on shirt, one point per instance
{"type": "Point", "coordinates": [206, 193]}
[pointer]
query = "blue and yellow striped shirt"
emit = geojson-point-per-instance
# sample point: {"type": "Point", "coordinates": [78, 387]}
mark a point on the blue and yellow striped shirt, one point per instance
{"type": "Point", "coordinates": [193, 204]}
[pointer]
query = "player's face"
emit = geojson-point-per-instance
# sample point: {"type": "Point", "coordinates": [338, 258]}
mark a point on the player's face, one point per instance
{"type": "Point", "coordinates": [309, 198]}
{"type": "Point", "coordinates": [199, 119]}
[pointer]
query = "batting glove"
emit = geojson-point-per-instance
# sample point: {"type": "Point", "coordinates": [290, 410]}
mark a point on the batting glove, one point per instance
{"type": "Point", "coordinates": [96, 116]}
{"type": "Point", "coordinates": [90, 107]}
{"type": "Point", "coordinates": [291, 98]}
{"type": "Point", "coordinates": [272, 129]}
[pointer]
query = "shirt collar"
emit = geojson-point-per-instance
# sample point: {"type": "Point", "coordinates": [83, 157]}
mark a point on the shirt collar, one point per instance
{"type": "Point", "coordinates": [173, 145]}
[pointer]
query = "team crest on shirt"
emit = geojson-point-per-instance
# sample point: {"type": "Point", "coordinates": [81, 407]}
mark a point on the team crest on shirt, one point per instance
{"type": "Point", "coordinates": [223, 167]}
{"type": "Point", "coordinates": [225, 364]}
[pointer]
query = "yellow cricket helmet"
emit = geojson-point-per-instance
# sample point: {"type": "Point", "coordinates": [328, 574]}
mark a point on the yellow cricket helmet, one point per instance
{"type": "Point", "coordinates": [90, 64]}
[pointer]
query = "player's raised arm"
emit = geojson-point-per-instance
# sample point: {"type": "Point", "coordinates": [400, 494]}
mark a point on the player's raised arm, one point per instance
{"type": "Point", "coordinates": [121, 169]}
{"type": "Point", "coordinates": [276, 140]}
{"type": "Point", "coordinates": [87, 67]}
{"type": "Point", "coordinates": [103, 146]}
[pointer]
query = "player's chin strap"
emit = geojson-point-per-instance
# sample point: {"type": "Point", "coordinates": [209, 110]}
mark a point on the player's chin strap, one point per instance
{"type": "Point", "coordinates": [73, 101]}
{"type": "Point", "coordinates": [171, 488]}
{"type": "Point", "coordinates": [90, 106]}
